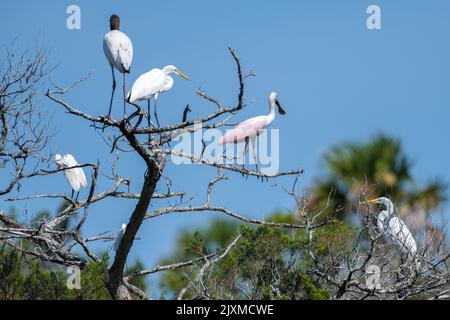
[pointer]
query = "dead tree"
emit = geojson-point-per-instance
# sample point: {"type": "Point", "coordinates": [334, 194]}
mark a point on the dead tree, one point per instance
{"type": "Point", "coordinates": [24, 138]}
{"type": "Point", "coordinates": [120, 134]}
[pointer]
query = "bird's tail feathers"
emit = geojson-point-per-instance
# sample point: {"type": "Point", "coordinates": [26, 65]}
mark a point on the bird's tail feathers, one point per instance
{"type": "Point", "coordinates": [127, 70]}
{"type": "Point", "coordinates": [129, 97]}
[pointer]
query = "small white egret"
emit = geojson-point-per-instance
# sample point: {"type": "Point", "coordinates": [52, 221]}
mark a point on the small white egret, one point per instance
{"type": "Point", "coordinates": [394, 227]}
{"type": "Point", "coordinates": [119, 236]}
{"type": "Point", "coordinates": [251, 128]}
{"type": "Point", "coordinates": [151, 84]}
{"type": "Point", "coordinates": [74, 176]}
{"type": "Point", "coordinates": [118, 49]}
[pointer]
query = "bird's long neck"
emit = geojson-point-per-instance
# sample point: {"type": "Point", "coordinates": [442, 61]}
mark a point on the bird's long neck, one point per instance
{"type": "Point", "coordinates": [168, 84]}
{"type": "Point", "coordinates": [167, 71]}
{"type": "Point", "coordinates": [385, 216]}
{"type": "Point", "coordinates": [271, 116]}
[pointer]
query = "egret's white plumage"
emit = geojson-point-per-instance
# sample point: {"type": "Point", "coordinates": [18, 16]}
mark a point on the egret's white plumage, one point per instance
{"type": "Point", "coordinates": [119, 236]}
{"type": "Point", "coordinates": [150, 84]}
{"type": "Point", "coordinates": [118, 49]}
{"type": "Point", "coordinates": [251, 128]}
{"type": "Point", "coordinates": [155, 81]}
{"type": "Point", "coordinates": [75, 176]}
{"type": "Point", "coordinates": [393, 227]}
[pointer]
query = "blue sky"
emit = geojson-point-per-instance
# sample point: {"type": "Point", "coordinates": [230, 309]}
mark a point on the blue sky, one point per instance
{"type": "Point", "coordinates": [337, 80]}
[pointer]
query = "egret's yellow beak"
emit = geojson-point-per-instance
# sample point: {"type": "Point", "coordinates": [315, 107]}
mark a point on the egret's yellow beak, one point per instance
{"type": "Point", "coordinates": [370, 201]}
{"type": "Point", "coordinates": [182, 75]}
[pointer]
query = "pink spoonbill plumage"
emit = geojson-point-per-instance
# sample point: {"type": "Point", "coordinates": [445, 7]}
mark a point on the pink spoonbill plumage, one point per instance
{"type": "Point", "coordinates": [249, 129]}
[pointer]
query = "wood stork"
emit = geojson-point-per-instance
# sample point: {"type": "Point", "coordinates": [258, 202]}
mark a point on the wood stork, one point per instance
{"type": "Point", "coordinates": [118, 49]}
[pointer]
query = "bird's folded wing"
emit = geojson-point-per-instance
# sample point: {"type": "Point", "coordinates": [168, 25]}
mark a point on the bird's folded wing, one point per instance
{"type": "Point", "coordinates": [72, 178]}
{"type": "Point", "coordinates": [81, 177]}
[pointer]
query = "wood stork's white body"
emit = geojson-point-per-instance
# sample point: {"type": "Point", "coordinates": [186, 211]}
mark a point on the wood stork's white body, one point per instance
{"type": "Point", "coordinates": [118, 49]}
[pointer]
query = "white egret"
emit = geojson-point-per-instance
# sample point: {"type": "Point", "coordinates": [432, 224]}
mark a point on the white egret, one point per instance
{"type": "Point", "coordinates": [394, 227]}
{"type": "Point", "coordinates": [74, 176]}
{"type": "Point", "coordinates": [118, 49]}
{"type": "Point", "coordinates": [251, 128]}
{"type": "Point", "coordinates": [151, 84]}
{"type": "Point", "coordinates": [119, 236]}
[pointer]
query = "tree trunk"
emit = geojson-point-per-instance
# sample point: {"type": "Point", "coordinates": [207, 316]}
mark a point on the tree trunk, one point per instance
{"type": "Point", "coordinates": [115, 282]}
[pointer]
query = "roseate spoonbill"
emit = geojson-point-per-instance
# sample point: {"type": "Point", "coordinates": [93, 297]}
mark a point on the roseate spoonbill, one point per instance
{"type": "Point", "coordinates": [119, 236]}
{"type": "Point", "coordinates": [394, 227]}
{"type": "Point", "coordinates": [249, 129]}
{"type": "Point", "coordinates": [74, 176]}
{"type": "Point", "coordinates": [118, 50]}
{"type": "Point", "coordinates": [151, 84]}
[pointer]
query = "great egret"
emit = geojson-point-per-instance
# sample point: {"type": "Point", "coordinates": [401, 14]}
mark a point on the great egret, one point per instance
{"type": "Point", "coordinates": [118, 50]}
{"type": "Point", "coordinates": [394, 227]}
{"type": "Point", "coordinates": [251, 128]}
{"type": "Point", "coordinates": [151, 84]}
{"type": "Point", "coordinates": [119, 236]}
{"type": "Point", "coordinates": [74, 176]}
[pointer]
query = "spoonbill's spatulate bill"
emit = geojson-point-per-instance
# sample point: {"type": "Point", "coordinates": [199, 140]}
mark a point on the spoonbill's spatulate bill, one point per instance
{"type": "Point", "coordinates": [75, 176]}
{"type": "Point", "coordinates": [151, 84]}
{"type": "Point", "coordinates": [118, 49]}
{"type": "Point", "coordinates": [394, 227]}
{"type": "Point", "coordinates": [249, 129]}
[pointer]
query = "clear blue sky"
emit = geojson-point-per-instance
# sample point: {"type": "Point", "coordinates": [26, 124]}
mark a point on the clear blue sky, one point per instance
{"type": "Point", "coordinates": [337, 80]}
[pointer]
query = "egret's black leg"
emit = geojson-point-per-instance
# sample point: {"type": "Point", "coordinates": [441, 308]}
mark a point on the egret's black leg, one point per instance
{"type": "Point", "coordinates": [76, 199]}
{"type": "Point", "coordinates": [155, 111]}
{"type": "Point", "coordinates": [148, 118]}
{"type": "Point", "coordinates": [71, 197]}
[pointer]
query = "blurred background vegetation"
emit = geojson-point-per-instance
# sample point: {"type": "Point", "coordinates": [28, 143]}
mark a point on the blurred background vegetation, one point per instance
{"type": "Point", "coordinates": [267, 262]}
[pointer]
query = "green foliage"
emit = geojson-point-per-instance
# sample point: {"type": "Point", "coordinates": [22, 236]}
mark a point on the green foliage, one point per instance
{"type": "Point", "coordinates": [23, 279]}
{"type": "Point", "coordinates": [266, 263]}
{"type": "Point", "coordinates": [137, 281]}
{"type": "Point", "coordinates": [93, 279]}
{"type": "Point", "coordinates": [11, 278]}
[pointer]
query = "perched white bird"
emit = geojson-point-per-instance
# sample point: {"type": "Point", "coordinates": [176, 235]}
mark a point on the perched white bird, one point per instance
{"type": "Point", "coordinates": [74, 176]}
{"type": "Point", "coordinates": [118, 49]}
{"type": "Point", "coordinates": [395, 228]}
{"type": "Point", "coordinates": [251, 128]}
{"type": "Point", "coordinates": [119, 236]}
{"type": "Point", "coordinates": [151, 84]}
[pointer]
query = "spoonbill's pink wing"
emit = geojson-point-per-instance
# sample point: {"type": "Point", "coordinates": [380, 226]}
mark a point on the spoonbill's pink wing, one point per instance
{"type": "Point", "coordinates": [248, 129]}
